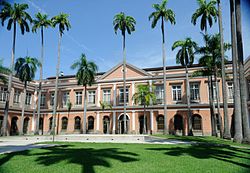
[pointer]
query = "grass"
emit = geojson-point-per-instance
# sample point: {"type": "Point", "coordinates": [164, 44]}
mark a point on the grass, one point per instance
{"type": "Point", "coordinates": [127, 158]}
{"type": "Point", "coordinates": [204, 140]}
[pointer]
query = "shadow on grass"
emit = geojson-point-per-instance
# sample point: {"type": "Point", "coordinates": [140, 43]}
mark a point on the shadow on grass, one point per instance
{"type": "Point", "coordinates": [237, 156]}
{"type": "Point", "coordinates": [85, 157]}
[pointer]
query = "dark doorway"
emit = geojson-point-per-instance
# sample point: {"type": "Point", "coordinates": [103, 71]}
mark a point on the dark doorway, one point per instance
{"type": "Point", "coordinates": [178, 122]}
{"type": "Point", "coordinates": [121, 124]}
{"type": "Point", "coordinates": [26, 125]}
{"type": "Point", "coordinates": [13, 127]}
{"type": "Point", "coordinates": [141, 124]}
{"type": "Point", "coordinates": [106, 125]}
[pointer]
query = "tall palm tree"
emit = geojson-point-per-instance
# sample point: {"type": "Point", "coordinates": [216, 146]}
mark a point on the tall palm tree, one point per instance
{"type": "Point", "coordinates": [212, 56]}
{"type": "Point", "coordinates": [25, 70]}
{"type": "Point", "coordinates": [226, 133]}
{"type": "Point", "coordinates": [163, 14]}
{"type": "Point", "coordinates": [85, 75]}
{"type": "Point", "coordinates": [243, 86]}
{"type": "Point", "coordinates": [124, 24]}
{"type": "Point", "coordinates": [41, 22]}
{"type": "Point", "coordinates": [144, 96]}
{"type": "Point", "coordinates": [3, 71]}
{"type": "Point", "coordinates": [16, 15]}
{"type": "Point", "coordinates": [207, 12]}
{"type": "Point", "coordinates": [185, 57]}
{"type": "Point", "coordinates": [237, 103]}
{"type": "Point", "coordinates": [63, 23]}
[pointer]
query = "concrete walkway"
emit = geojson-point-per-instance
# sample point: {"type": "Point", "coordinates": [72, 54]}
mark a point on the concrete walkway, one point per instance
{"type": "Point", "coordinates": [19, 143]}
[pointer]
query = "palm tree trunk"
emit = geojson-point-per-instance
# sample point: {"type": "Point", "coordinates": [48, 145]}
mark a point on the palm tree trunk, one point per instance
{"type": "Point", "coordinates": [237, 104]}
{"type": "Point", "coordinates": [218, 100]}
{"type": "Point", "coordinates": [124, 86]}
{"type": "Point", "coordinates": [226, 133]}
{"type": "Point", "coordinates": [243, 86]}
{"type": "Point", "coordinates": [164, 78]}
{"type": "Point", "coordinates": [144, 119]}
{"type": "Point", "coordinates": [23, 107]}
{"type": "Point", "coordinates": [84, 128]}
{"type": "Point", "coordinates": [210, 85]}
{"type": "Point", "coordinates": [56, 87]}
{"type": "Point", "coordinates": [40, 85]}
{"type": "Point", "coordinates": [4, 129]}
{"type": "Point", "coordinates": [190, 131]}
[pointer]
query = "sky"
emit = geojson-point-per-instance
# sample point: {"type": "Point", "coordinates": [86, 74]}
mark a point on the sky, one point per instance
{"type": "Point", "coordinates": [92, 33]}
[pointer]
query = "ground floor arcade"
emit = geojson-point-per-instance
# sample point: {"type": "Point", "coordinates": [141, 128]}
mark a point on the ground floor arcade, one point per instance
{"type": "Point", "coordinates": [112, 122]}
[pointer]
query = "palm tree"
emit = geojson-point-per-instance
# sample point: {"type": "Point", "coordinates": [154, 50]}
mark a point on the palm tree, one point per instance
{"type": "Point", "coordinates": [3, 70]}
{"type": "Point", "coordinates": [163, 14]}
{"type": "Point", "coordinates": [15, 14]}
{"type": "Point", "coordinates": [124, 24]}
{"type": "Point", "coordinates": [185, 57]}
{"type": "Point", "coordinates": [212, 58]}
{"type": "Point", "coordinates": [144, 96]}
{"type": "Point", "coordinates": [243, 86]}
{"type": "Point", "coordinates": [40, 22]}
{"type": "Point", "coordinates": [226, 133]}
{"type": "Point", "coordinates": [207, 72]}
{"type": "Point", "coordinates": [207, 12]}
{"type": "Point", "coordinates": [69, 106]}
{"type": "Point", "coordinates": [237, 103]}
{"type": "Point", "coordinates": [25, 70]}
{"type": "Point", "coordinates": [86, 72]}
{"type": "Point", "coordinates": [63, 23]}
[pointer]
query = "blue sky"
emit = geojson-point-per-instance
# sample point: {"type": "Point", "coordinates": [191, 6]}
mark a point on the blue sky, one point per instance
{"type": "Point", "coordinates": [92, 33]}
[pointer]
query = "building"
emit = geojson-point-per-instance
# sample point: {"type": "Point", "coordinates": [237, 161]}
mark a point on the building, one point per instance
{"type": "Point", "coordinates": [109, 88]}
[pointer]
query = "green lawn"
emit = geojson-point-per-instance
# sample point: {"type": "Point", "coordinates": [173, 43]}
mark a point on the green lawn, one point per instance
{"type": "Point", "coordinates": [127, 158]}
{"type": "Point", "coordinates": [204, 140]}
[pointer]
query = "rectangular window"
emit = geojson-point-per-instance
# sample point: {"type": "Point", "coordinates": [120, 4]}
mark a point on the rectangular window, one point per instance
{"type": "Point", "coordinates": [121, 95]}
{"type": "Point", "coordinates": [52, 96]}
{"type": "Point", "coordinates": [159, 93]}
{"type": "Point", "coordinates": [78, 98]}
{"type": "Point", "coordinates": [3, 94]}
{"type": "Point", "coordinates": [176, 92]}
{"type": "Point", "coordinates": [28, 99]}
{"type": "Point", "coordinates": [91, 97]}
{"type": "Point", "coordinates": [65, 98]}
{"type": "Point", "coordinates": [17, 94]}
{"type": "Point", "coordinates": [194, 91]}
{"type": "Point", "coordinates": [43, 99]}
{"type": "Point", "coordinates": [230, 90]}
{"type": "Point", "coordinates": [106, 96]}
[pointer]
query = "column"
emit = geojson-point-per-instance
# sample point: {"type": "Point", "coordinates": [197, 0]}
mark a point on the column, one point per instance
{"type": "Point", "coordinates": [114, 122]}
{"type": "Point", "coordinates": [150, 88]}
{"type": "Point", "coordinates": [114, 94]}
{"type": "Point", "coordinates": [133, 91]}
{"type": "Point", "coordinates": [151, 121]}
{"type": "Point", "coordinates": [133, 121]}
{"type": "Point", "coordinates": [98, 94]}
{"type": "Point", "coordinates": [97, 122]}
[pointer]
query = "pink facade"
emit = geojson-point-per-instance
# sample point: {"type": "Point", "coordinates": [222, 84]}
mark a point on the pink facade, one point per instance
{"type": "Point", "coordinates": [109, 88]}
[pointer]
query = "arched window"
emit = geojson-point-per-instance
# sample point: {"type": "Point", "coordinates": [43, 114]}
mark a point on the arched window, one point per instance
{"type": "Point", "coordinates": [77, 123]}
{"type": "Point", "coordinates": [26, 125]}
{"type": "Point", "coordinates": [90, 123]}
{"type": "Point", "coordinates": [64, 123]}
{"type": "Point", "coordinates": [160, 122]}
{"type": "Point", "coordinates": [196, 122]}
{"type": "Point", "coordinates": [50, 123]}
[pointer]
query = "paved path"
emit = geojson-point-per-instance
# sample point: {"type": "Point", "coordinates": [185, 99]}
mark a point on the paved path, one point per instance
{"type": "Point", "coordinates": [14, 146]}
{"type": "Point", "coordinates": [20, 143]}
